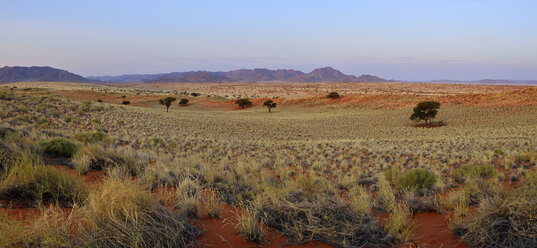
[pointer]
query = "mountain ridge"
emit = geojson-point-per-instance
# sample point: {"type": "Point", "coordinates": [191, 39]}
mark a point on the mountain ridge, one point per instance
{"type": "Point", "coordinates": [12, 74]}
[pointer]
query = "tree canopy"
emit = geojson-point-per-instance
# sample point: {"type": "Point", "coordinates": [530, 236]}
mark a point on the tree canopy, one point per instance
{"type": "Point", "coordinates": [425, 111]}
{"type": "Point", "coordinates": [269, 104]}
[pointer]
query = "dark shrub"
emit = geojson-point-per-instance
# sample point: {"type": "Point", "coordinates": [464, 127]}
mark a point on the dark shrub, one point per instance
{"type": "Point", "coordinates": [332, 95]}
{"type": "Point", "coordinates": [59, 147]}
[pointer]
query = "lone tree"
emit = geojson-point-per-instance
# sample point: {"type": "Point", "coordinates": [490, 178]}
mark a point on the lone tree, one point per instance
{"type": "Point", "coordinates": [167, 102]}
{"type": "Point", "coordinates": [269, 104]}
{"type": "Point", "coordinates": [332, 95]}
{"type": "Point", "coordinates": [425, 111]}
{"type": "Point", "coordinates": [183, 102]}
{"type": "Point", "coordinates": [243, 102]}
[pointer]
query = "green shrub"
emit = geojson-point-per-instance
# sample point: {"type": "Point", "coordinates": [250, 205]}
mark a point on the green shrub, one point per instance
{"type": "Point", "coordinates": [416, 179]}
{"type": "Point", "coordinates": [59, 147]}
{"type": "Point", "coordinates": [29, 179]}
{"type": "Point", "coordinates": [90, 138]}
{"type": "Point", "coordinates": [473, 171]}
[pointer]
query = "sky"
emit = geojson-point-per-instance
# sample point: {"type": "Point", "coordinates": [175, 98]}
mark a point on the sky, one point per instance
{"type": "Point", "coordinates": [413, 40]}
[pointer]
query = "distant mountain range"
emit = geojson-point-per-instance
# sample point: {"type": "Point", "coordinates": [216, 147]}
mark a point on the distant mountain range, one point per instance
{"type": "Point", "coordinates": [36, 73]}
{"type": "Point", "coordinates": [326, 74]}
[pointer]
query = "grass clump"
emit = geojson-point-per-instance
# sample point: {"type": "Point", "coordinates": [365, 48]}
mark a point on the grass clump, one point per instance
{"type": "Point", "coordinates": [96, 157]}
{"type": "Point", "coordinates": [250, 228]}
{"type": "Point", "coordinates": [124, 214]}
{"type": "Point", "coordinates": [399, 223]}
{"type": "Point", "coordinates": [29, 179]}
{"type": "Point", "coordinates": [416, 179]}
{"type": "Point", "coordinates": [59, 146]}
{"type": "Point", "coordinates": [460, 175]}
{"type": "Point", "coordinates": [508, 219]}
{"type": "Point", "coordinates": [306, 217]}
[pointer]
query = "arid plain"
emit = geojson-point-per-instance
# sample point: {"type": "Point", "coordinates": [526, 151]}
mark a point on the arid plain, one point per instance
{"type": "Point", "coordinates": [352, 171]}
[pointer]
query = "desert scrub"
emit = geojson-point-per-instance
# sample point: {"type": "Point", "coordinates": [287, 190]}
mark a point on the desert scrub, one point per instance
{"type": "Point", "coordinates": [91, 138]}
{"type": "Point", "coordinates": [417, 180]}
{"type": "Point", "coordinates": [59, 146]}
{"type": "Point", "coordinates": [29, 179]}
{"type": "Point", "coordinates": [460, 175]}
{"type": "Point", "coordinates": [124, 214]}
{"type": "Point", "coordinates": [504, 222]}
{"type": "Point", "coordinates": [302, 217]}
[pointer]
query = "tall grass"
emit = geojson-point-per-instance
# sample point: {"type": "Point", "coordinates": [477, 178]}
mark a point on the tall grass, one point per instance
{"type": "Point", "coordinates": [29, 179]}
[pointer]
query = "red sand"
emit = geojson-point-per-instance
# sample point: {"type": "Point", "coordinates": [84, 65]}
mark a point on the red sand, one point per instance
{"type": "Point", "coordinates": [222, 233]}
{"type": "Point", "coordinates": [432, 230]}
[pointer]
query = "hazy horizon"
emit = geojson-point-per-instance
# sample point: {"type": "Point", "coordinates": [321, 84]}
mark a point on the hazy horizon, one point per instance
{"type": "Point", "coordinates": [411, 40]}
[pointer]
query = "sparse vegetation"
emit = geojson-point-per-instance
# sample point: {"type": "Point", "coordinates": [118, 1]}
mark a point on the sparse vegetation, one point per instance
{"type": "Point", "coordinates": [330, 169]}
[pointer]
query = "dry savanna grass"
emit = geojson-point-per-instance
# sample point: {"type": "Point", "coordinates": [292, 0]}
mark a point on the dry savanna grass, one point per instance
{"type": "Point", "coordinates": [350, 171]}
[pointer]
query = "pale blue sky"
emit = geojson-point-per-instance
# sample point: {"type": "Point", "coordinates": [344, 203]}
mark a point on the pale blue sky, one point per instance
{"type": "Point", "coordinates": [394, 39]}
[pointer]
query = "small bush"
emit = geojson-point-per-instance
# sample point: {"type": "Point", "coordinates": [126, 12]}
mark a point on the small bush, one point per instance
{"type": "Point", "coordinates": [416, 179]}
{"type": "Point", "coordinates": [332, 95]}
{"type": "Point", "coordinates": [473, 171]}
{"type": "Point", "coordinates": [59, 147]}
{"type": "Point", "coordinates": [126, 102]}
{"type": "Point", "coordinates": [243, 102]}
{"type": "Point", "coordinates": [183, 102]}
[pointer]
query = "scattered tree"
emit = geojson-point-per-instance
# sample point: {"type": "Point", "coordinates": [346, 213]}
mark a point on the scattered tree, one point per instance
{"type": "Point", "coordinates": [425, 111]}
{"type": "Point", "coordinates": [99, 100]}
{"type": "Point", "coordinates": [269, 104]}
{"type": "Point", "coordinates": [195, 94]}
{"type": "Point", "coordinates": [332, 95]}
{"type": "Point", "coordinates": [243, 102]}
{"type": "Point", "coordinates": [126, 102]}
{"type": "Point", "coordinates": [167, 102]}
{"type": "Point", "coordinates": [183, 102]}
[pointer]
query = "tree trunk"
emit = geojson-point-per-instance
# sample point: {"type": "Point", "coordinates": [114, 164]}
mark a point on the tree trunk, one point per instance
{"type": "Point", "coordinates": [269, 109]}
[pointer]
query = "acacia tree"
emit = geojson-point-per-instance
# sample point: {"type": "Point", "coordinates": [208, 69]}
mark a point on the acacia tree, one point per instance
{"type": "Point", "coordinates": [269, 104]}
{"type": "Point", "coordinates": [243, 102]}
{"type": "Point", "coordinates": [425, 111]}
{"type": "Point", "coordinates": [167, 102]}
